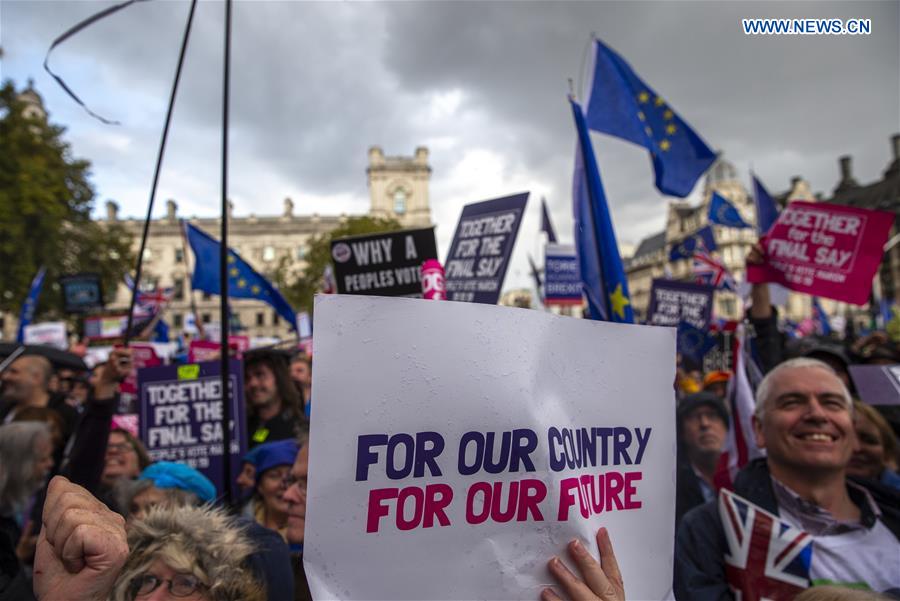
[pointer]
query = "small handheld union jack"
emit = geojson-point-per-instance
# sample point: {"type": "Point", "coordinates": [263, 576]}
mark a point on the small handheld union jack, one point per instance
{"type": "Point", "coordinates": [767, 559]}
{"type": "Point", "coordinates": [709, 270]}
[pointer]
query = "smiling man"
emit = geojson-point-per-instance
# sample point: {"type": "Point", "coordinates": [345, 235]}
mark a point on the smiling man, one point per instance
{"type": "Point", "coordinates": [804, 421]}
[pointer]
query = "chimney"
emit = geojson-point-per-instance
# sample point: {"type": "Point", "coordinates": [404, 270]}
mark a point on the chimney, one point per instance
{"type": "Point", "coordinates": [421, 155]}
{"type": "Point", "coordinates": [795, 181]}
{"type": "Point", "coordinates": [846, 163]}
{"type": "Point", "coordinates": [112, 210]}
{"type": "Point", "coordinates": [288, 207]}
{"type": "Point", "coordinates": [171, 211]}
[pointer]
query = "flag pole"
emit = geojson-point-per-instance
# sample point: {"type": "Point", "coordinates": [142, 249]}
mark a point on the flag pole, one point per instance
{"type": "Point", "coordinates": [224, 355]}
{"type": "Point", "coordinates": [135, 290]}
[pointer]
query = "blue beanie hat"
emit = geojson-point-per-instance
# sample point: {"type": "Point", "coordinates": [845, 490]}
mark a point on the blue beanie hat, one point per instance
{"type": "Point", "coordinates": [167, 474]}
{"type": "Point", "coordinates": [274, 454]}
{"type": "Point", "coordinates": [250, 456]}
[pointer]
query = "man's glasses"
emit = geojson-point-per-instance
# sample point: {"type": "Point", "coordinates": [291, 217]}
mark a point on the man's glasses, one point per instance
{"type": "Point", "coordinates": [182, 585]}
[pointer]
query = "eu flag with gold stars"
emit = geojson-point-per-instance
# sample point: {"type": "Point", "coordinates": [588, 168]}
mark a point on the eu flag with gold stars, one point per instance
{"type": "Point", "coordinates": [599, 262]}
{"type": "Point", "coordinates": [243, 280]}
{"type": "Point", "coordinates": [622, 105]}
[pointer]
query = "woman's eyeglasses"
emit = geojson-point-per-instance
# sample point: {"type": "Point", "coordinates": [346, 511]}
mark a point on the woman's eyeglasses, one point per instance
{"type": "Point", "coordinates": [182, 585]}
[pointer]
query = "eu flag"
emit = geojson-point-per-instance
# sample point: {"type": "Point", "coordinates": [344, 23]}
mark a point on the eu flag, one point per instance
{"type": "Point", "coordinates": [766, 209]}
{"type": "Point", "coordinates": [243, 280]}
{"type": "Point", "coordinates": [622, 105]}
{"type": "Point", "coordinates": [602, 272]}
{"type": "Point", "coordinates": [30, 304]}
{"type": "Point", "coordinates": [694, 343]}
{"type": "Point", "coordinates": [702, 239]}
{"type": "Point", "coordinates": [724, 213]}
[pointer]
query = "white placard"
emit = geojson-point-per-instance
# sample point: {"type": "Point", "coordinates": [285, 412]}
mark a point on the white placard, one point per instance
{"type": "Point", "coordinates": [406, 371]}
{"type": "Point", "coordinates": [50, 333]}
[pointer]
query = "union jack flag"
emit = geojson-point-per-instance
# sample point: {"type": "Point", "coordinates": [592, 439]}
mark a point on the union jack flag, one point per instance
{"type": "Point", "coordinates": [149, 302]}
{"type": "Point", "coordinates": [767, 559]}
{"type": "Point", "coordinates": [709, 270]}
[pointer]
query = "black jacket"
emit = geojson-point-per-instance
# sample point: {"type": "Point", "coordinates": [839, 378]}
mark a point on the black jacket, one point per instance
{"type": "Point", "coordinates": [700, 543]}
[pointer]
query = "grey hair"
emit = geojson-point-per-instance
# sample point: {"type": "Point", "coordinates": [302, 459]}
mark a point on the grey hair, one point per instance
{"type": "Point", "coordinates": [17, 479]}
{"type": "Point", "coordinates": [203, 541]}
{"type": "Point", "coordinates": [125, 491]}
{"type": "Point", "coordinates": [764, 390]}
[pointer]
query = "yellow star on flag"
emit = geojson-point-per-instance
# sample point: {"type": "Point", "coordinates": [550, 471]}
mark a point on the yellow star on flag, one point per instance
{"type": "Point", "coordinates": [648, 131]}
{"type": "Point", "coordinates": [231, 259]}
{"type": "Point", "coordinates": [665, 145]}
{"type": "Point", "coordinates": [659, 101]}
{"type": "Point", "coordinates": [254, 289]}
{"type": "Point", "coordinates": [641, 116]}
{"type": "Point", "coordinates": [619, 301]}
{"type": "Point", "coordinates": [643, 97]}
{"type": "Point", "coordinates": [668, 114]}
{"type": "Point", "coordinates": [242, 283]}
{"type": "Point", "coordinates": [671, 129]}
{"type": "Point", "coordinates": [234, 272]}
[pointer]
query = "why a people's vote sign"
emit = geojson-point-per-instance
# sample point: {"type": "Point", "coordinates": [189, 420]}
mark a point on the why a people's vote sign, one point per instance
{"type": "Point", "coordinates": [459, 446]}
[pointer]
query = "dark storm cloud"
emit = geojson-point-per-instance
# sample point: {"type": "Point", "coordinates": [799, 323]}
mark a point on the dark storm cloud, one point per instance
{"type": "Point", "coordinates": [316, 84]}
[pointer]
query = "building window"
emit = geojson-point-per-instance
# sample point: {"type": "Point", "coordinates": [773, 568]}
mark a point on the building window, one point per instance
{"type": "Point", "coordinates": [178, 284]}
{"type": "Point", "coordinates": [176, 320]}
{"type": "Point", "coordinates": [179, 255]}
{"type": "Point", "coordinates": [260, 319]}
{"type": "Point", "coordinates": [400, 201]}
{"type": "Point", "coordinates": [301, 253]}
{"type": "Point", "coordinates": [275, 318]}
{"type": "Point", "coordinates": [268, 253]}
{"type": "Point", "coordinates": [207, 318]}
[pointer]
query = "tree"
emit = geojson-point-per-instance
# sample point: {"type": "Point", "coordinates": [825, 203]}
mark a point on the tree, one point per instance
{"type": "Point", "coordinates": [45, 209]}
{"type": "Point", "coordinates": [300, 292]}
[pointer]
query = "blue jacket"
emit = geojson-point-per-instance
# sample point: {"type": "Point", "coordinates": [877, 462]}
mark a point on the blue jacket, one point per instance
{"type": "Point", "coordinates": [700, 544]}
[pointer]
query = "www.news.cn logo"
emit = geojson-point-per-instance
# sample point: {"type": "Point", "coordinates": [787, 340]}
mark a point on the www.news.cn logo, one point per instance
{"type": "Point", "coordinates": [807, 26]}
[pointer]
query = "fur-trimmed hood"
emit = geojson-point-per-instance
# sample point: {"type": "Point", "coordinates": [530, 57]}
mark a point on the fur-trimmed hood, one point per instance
{"type": "Point", "coordinates": [202, 540]}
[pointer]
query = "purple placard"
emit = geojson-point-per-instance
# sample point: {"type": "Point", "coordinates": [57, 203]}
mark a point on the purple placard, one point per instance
{"type": "Point", "coordinates": [479, 253]}
{"type": "Point", "coordinates": [672, 302]}
{"type": "Point", "coordinates": [181, 416]}
{"type": "Point", "coordinates": [877, 384]}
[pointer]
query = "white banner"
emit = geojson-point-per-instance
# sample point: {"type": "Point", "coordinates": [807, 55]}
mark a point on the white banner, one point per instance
{"type": "Point", "coordinates": [50, 333]}
{"type": "Point", "coordinates": [456, 447]}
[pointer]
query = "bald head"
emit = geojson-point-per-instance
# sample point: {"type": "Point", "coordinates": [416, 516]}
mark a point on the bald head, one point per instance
{"type": "Point", "coordinates": [26, 381]}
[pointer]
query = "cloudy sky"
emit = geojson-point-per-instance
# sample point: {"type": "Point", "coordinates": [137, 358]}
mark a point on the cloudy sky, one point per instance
{"type": "Point", "coordinates": [482, 84]}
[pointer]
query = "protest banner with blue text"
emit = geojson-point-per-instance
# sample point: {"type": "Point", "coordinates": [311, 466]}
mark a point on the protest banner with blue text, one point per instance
{"type": "Point", "coordinates": [479, 253]}
{"type": "Point", "coordinates": [562, 280]}
{"type": "Point", "coordinates": [181, 416]}
{"type": "Point", "coordinates": [672, 301]}
{"type": "Point", "coordinates": [474, 442]}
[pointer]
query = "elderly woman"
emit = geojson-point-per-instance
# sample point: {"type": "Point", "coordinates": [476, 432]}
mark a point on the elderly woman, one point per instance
{"type": "Point", "coordinates": [195, 553]}
{"type": "Point", "coordinates": [273, 465]}
{"type": "Point", "coordinates": [877, 447]}
{"type": "Point", "coordinates": [164, 484]}
{"type": "Point", "coordinates": [26, 457]}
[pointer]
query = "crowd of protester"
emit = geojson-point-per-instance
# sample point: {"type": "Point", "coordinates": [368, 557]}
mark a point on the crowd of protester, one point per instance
{"type": "Point", "coordinates": [86, 514]}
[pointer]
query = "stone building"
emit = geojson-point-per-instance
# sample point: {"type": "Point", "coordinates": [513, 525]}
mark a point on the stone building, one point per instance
{"type": "Point", "coordinates": [398, 188]}
{"type": "Point", "coordinates": [651, 259]}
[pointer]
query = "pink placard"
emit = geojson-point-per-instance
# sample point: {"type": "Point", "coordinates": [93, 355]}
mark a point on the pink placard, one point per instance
{"type": "Point", "coordinates": [433, 283]}
{"type": "Point", "coordinates": [206, 350]}
{"type": "Point", "coordinates": [825, 250]}
{"type": "Point", "coordinates": [142, 355]}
